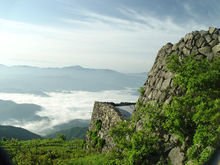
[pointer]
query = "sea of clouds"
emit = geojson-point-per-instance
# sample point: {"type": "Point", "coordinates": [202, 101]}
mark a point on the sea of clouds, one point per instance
{"type": "Point", "coordinates": [62, 107]}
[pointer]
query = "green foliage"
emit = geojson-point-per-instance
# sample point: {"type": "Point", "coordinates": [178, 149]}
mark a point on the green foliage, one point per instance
{"type": "Point", "coordinates": [93, 159]}
{"type": "Point", "coordinates": [193, 116]}
{"type": "Point", "coordinates": [52, 152]}
{"type": "Point", "coordinates": [141, 90]}
{"type": "Point", "coordinates": [196, 114]}
{"type": "Point", "coordinates": [10, 132]}
{"type": "Point", "coordinates": [62, 137]}
{"type": "Point", "coordinates": [71, 134]}
{"type": "Point", "coordinates": [96, 141]}
{"type": "Point", "coordinates": [47, 151]}
{"type": "Point", "coordinates": [135, 146]}
{"type": "Point", "coordinates": [98, 125]}
{"type": "Point", "coordinates": [4, 139]}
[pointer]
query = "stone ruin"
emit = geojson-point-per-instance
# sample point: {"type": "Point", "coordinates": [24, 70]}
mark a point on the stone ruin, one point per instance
{"type": "Point", "coordinates": [204, 44]}
{"type": "Point", "coordinates": [110, 114]}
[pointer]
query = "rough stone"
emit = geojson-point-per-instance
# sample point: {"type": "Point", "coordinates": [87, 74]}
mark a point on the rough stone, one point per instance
{"type": "Point", "coordinates": [110, 115]}
{"type": "Point", "coordinates": [189, 44]}
{"type": "Point", "coordinates": [214, 42]}
{"type": "Point", "coordinates": [215, 36]}
{"type": "Point", "coordinates": [205, 50]}
{"type": "Point", "coordinates": [195, 50]}
{"type": "Point", "coordinates": [181, 45]}
{"type": "Point", "coordinates": [203, 33]}
{"type": "Point", "coordinates": [186, 51]}
{"type": "Point", "coordinates": [210, 56]}
{"type": "Point", "coordinates": [188, 36]}
{"type": "Point", "coordinates": [159, 83]}
{"type": "Point", "coordinates": [197, 36]}
{"type": "Point", "coordinates": [208, 38]}
{"type": "Point", "coordinates": [199, 42]}
{"type": "Point", "coordinates": [176, 156]}
{"type": "Point", "coordinates": [199, 57]}
{"type": "Point", "coordinates": [216, 49]}
{"type": "Point", "coordinates": [212, 30]}
{"type": "Point", "coordinates": [168, 101]}
{"type": "Point", "coordinates": [166, 84]}
{"type": "Point", "coordinates": [174, 47]}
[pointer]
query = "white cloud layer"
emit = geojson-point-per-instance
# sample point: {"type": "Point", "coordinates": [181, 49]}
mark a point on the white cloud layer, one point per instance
{"type": "Point", "coordinates": [61, 107]}
{"type": "Point", "coordinates": [97, 41]}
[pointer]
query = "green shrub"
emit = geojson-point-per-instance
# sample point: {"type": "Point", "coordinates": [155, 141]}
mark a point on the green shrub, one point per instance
{"type": "Point", "coordinates": [137, 146]}
{"type": "Point", "coordinates": [96, 141]}
{"type": "Point", "coordinates": [98, 125]}
{"type": "Point", "coordinates": [196, 114]}
{"type": "Point", "coordinates": [61, 136]}
{"type": "Point", "coordinates": [193, 116]}
{"type": "Point", "coordinates": [141, 90]}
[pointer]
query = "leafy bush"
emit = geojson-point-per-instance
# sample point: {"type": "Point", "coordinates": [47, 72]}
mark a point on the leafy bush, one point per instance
{"type": "Point", "coordinates": [141, 90]}
{"type": "Point", "coordinates": [195, 115]}
{"type": "Point", "coordinates": [96, 141]}
{"type": "Point", "coordinates": [139, 145]}
{"type": "Point", "coordinates": [98, 125]}
{"type": "Point", "coordinates": [61, 136]}
{"type": "Point", "coordinates": [47, 151]}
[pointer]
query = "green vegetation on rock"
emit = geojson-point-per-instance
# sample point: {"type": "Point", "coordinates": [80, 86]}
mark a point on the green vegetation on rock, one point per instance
{"type": "Point", "coordinates": [96, 141]}
{"type": "Point", "coordinates": [193, 117]}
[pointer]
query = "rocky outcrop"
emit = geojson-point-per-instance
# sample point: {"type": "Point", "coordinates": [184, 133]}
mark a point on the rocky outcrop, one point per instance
{"type": "Point", "coordinates": [109, 114]}
{"type": "Point", "coordinates": [159, 85]}
{"type": "Point", "coordinates": [204, 44]}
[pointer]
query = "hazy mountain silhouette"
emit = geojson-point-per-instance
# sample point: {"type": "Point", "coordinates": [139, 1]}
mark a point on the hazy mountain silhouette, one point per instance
{"type": "Point", "coordinates": [71, 133]}
{"type": "Point", "coordinates": [10, 111]}
{"type": "Point", "coordinates": [10, 132]}
{"type": "Point", "coordinates": [26, 79]}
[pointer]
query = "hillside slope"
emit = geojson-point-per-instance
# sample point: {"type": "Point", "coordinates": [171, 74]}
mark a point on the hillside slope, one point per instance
{"type": "Point", "coordinates": [71, 133]}
{"type": "Point", "coordinates": [10, 132]}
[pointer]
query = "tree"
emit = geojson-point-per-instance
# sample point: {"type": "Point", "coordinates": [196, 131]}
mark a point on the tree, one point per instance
{"type": "Point", "coordinates": [62, 137]}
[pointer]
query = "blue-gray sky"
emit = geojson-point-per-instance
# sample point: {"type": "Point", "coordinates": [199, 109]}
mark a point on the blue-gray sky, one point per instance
{"type": "Point", "coordinates": [123, 35]}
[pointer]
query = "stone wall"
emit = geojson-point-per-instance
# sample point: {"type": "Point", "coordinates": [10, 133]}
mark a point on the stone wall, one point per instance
{"type": "Point", "coordinates": [110, 114]}
{"type": "Point", "coordinates": [159, 85]}
{"type": "Point", "coordinates": [204, 44]}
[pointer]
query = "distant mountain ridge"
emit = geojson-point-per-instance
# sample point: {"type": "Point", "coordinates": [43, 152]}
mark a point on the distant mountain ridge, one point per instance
{"type": "Point", "coordinates": [74, 67]}
{"type": "Point", "coordinates": [11, 111]}
{"type": "Point", "coordinates": [10, 132]}
{"type": "Point", "coordinates": [37, 80]}
{"type": "Point", "coordinates": [71, 133]}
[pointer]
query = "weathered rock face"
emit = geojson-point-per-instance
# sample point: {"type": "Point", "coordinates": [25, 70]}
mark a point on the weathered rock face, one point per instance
{"type": "Point", "coordinates": [204, 44]}
{"type": "Point", "coordinates": [109, 114]}
{"type": "Point", "coordinates": [159, 85]}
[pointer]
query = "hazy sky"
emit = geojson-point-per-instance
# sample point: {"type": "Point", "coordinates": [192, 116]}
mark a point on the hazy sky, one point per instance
{"type": "Point", "coordinates": [123, 35]}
